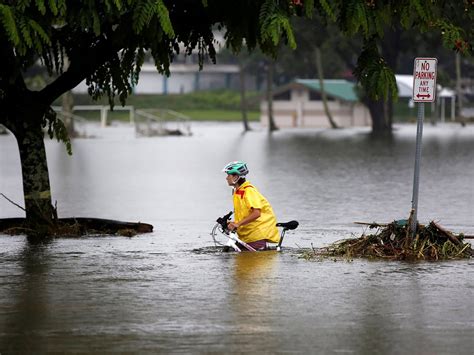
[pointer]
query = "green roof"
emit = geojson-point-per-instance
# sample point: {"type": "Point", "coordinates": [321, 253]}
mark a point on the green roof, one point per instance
{"type": "Point", "coordinates": [338, 88]}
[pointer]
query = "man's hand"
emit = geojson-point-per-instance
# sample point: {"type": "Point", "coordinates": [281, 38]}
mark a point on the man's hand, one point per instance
{"type": "Point", "coordinates": [232, 226]}
{"type": "Point", "coordinates": [254, 214]}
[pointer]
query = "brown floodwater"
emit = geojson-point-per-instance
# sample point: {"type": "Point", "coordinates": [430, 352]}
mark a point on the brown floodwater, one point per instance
{"type": "Point", "coordinates": [172, 291]}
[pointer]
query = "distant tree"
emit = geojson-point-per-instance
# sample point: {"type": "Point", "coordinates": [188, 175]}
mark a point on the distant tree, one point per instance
{"type": "Point", "coordinates": [270, 67]}
{"type": "Point", "coordinates": [243, 98]}
{"type": "Point", "coordinates": [106, 42]}
{"type": "Point", "coordinates": [324, 99]}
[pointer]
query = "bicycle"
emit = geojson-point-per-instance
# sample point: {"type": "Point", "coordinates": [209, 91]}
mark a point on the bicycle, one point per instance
{"type": "Point", "coordinates": [227, 239]}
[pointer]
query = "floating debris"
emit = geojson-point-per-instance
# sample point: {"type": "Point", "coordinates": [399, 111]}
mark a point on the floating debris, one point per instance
{"type": "Point", "coordinates": [394, 241]}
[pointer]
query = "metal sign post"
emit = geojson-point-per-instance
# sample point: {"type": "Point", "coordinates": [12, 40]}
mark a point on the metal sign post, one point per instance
{"type": "Point", "coordinates": [424, 90]}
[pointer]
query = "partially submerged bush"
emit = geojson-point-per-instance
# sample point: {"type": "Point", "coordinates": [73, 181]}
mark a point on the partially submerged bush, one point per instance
{"type": "Point", "coordinates": [395, 242]}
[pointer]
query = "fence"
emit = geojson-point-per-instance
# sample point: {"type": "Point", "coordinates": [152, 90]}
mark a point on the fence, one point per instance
{"type": "Point", "coordinates": [161, 122]}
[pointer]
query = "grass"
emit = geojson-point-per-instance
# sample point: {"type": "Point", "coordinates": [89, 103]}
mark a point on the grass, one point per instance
{"type": "Point", "coordinates": [199, 100]}
{"type": "Point", "coordinates": [219, 105]}
{"type": "Point", "coordinates": [220, 115]}
{"type": "Point", "coordinates": [194, 115]}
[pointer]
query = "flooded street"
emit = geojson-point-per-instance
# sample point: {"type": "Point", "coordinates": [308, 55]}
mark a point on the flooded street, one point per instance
{"type": "Point", "coordinates": [171, 291]}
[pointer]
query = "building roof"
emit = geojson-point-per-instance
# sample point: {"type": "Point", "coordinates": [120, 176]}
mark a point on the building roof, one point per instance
{"type": "Point", "coordinates": [338, 88]}
{"type": "Point", "coordinates": [405, 87]}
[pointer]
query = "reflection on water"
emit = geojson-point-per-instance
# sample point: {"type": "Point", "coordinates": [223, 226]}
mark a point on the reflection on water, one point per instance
{"type": "Point", "coordinates": [252, 279]}
{"type": "Point", "coordinates": [170, 291]}
{"type": "Point", "coordinates": [29, 306]}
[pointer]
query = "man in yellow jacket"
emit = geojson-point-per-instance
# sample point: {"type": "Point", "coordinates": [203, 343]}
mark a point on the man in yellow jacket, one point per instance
{"type": "Point", "coordinates": [255, 222]}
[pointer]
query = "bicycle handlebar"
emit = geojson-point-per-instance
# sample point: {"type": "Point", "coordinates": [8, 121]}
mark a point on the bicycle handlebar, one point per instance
{"type": "Point", "coordinates": [223, 220]}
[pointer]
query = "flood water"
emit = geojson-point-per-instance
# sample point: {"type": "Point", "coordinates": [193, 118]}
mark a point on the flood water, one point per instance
{"type": "Point", "coordinates": [171, 291]}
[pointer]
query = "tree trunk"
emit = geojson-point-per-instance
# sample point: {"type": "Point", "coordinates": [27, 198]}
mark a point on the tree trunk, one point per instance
{"type": "Point", "coordinates": [459, 95]}
{"type": "Point", "coordinates": [243, 101]}
{"type": "Point", "coordinates": [390, 44]}
{"type": "Point", "coordinates": [34, 167]}
{"type": "Point", "coordinates": [21, 112]}
{"type": "Point", "coordinates": [271, 122]}
{"type": "Point", "coordinates": [378, 111]}
{"type": "Point", "coordinates": [389, 113]}
{"type": "Point", "coordinates": [324, 98]}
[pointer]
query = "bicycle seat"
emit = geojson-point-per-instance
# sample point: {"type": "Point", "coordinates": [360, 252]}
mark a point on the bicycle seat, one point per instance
{"type": "Point", "coordinates": [288, 225]}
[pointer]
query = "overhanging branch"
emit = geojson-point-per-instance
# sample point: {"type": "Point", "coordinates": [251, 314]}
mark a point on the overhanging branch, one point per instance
{"type": "Point", "coordinates": [82, 65]}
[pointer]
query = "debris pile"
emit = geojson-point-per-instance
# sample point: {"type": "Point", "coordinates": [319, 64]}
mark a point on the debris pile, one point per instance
{"type": "Point", "coordinates": [394, 241]}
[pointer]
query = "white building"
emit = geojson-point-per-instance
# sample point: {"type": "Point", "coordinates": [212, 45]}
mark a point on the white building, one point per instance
{"type": "Point", "coordinates": [299, 104]}
{"type": "Point", "coordinates": [184, 78]}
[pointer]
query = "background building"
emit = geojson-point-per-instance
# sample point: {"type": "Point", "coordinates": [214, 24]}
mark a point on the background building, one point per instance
{"type": "Point", "coordinates": [299, 104]}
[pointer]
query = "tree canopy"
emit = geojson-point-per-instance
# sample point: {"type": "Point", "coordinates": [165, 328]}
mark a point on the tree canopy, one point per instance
{"type": "Point", "coordinates": [106, 40]}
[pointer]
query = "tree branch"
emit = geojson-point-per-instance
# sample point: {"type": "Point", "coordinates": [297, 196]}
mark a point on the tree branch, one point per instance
{"type": "Point", "coordinates": [82, 65]}
{"type": "Point", "coordinates": [17, 205]}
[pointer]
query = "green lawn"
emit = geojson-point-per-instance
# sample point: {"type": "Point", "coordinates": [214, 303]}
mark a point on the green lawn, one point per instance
{"type": "Point", "coordinates": [220, 105]}
{"type": "Point", "coordinates": [219, 115]}
{"type": "Point", "coordinates": [194, 115]}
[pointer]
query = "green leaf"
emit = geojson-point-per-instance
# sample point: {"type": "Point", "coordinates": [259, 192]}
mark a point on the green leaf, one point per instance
{"type": "Point", "coordinates": [327, 9]}
{"type": "Point", "coordinates": [289, 33]}
{"type": "Point", "coordinates": [41, 6]}
{"type": "Point", "coordinates": [56, 128]}
{"type": "Point", "coordinates": [53, 7]}
{"type": "Point", "coordinates": [39, 31]}
{"type": "Point", "coordinates": [374, 74]}
{"type": "Point", "coordinates": [25, 32]}
{"type": "Point", "coordinates": [8, 22]}
{"type": "Point", "coordinates": [381, 19]}
{"type": "Point", "coordinates": [406, 17]}
{"type": "Point", "coordinates": [422, 9]}
{"type": "Point", "coordinates": [144, 11]}
{"type": "Point", "coordinates": [275, 23]}
{"type": "Point", "coordinates": [96, 22]}
{"type": "Point", "coordinates": [22, 4]}
{"type": "Point", "coordinates": [164, 17]}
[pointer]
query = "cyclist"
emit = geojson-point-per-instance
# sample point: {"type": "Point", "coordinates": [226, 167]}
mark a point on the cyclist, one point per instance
{"type": "Point", "coordinates": [255, 222]}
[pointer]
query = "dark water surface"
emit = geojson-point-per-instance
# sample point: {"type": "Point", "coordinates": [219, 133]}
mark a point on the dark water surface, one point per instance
{"type": "Point", "coordinates": [170, 291]}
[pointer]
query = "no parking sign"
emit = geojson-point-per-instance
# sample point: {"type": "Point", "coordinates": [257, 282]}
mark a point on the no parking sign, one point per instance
{"type": "Point", "coordinates": [424, 79]}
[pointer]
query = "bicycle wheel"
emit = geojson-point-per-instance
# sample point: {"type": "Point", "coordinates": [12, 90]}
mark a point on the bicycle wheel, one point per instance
{"type": "Point", "coordinates": [219, 235]}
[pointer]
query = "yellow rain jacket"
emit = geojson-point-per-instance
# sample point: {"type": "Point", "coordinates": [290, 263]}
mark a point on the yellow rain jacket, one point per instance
{"type": "Point", "coordinates": [263, 228]}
